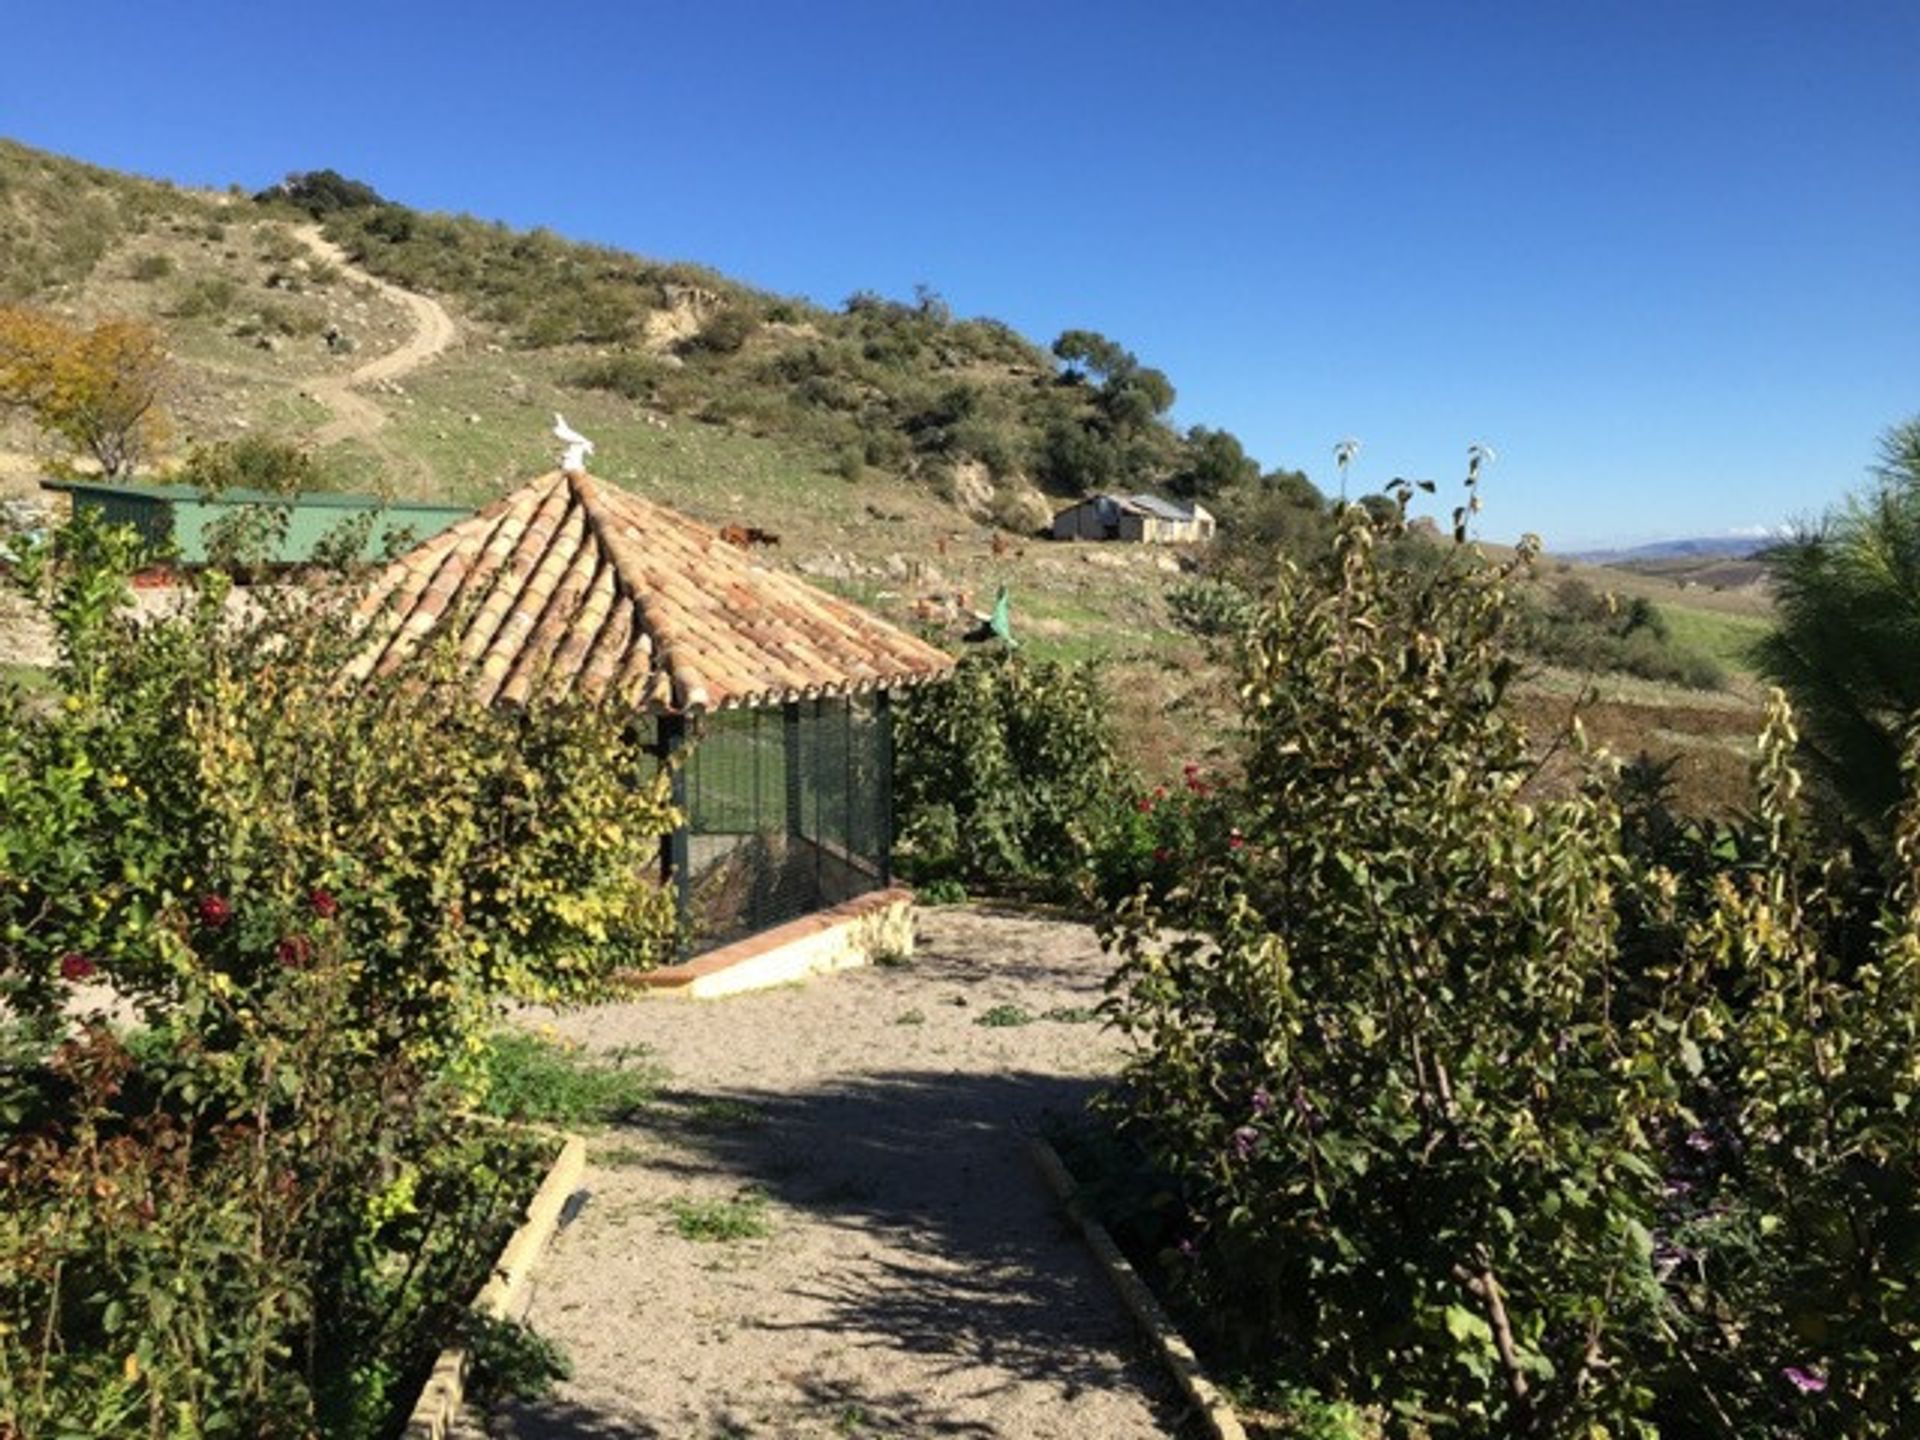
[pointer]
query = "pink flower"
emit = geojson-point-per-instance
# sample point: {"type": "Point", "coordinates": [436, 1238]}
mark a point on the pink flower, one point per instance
{"type": "Point", "coordinates": [1244, 1139]}
{"type": "Point", "coordinates": [1236, 841]}
{"type": "Point", "coordinates": [75, 966]}
{"type": "Point", "coordinates": [1807, 1382]}
{"type": "Point", "coordinates": [214, 911]}
{"type": "Point", "coordinates": [1262, 1100]}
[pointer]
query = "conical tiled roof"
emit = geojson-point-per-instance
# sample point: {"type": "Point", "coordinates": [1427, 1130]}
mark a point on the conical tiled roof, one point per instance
{"type": "Point", "coordinates": [568, 586]}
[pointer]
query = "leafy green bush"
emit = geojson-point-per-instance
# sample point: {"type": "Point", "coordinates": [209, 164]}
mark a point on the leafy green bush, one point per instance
{"type": "Point", "coordinates": [1518, 1116]}
{"type": "Point", "coordinates": [1160, 839]}
{"type": "Point", "coordinates": [252, 462]}
{"type": "Point", "coordinates": [1211, 608]}
{"type": "Point", "coordinates": [265, 1218]}
{"type": "Point", "coordinates": [1006, 775]}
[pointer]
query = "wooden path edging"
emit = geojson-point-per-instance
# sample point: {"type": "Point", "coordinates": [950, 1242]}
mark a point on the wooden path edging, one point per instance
{"type": "Point", "coordinates": [438, 1407]}
{"type": "Point", "coordinates": [1175, 1353]}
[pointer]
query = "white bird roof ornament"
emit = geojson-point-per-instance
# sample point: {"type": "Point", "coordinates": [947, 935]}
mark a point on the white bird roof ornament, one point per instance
{"type": "Point", "coordinates": [574, 461]}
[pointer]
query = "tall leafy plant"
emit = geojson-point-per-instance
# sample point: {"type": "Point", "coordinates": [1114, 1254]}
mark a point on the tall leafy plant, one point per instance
{"type": "Point", "coordinates": [1384, 1056]}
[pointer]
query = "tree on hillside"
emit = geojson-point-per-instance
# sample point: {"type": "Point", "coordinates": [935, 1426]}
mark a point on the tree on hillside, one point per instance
{"type": "Point", "coordinates": [1215, 463]}
{"type": "Point", "coordinates": [1089, 353]}
{"type": "Point", "coordinates": [96, 390]}
{"type": "Point", "coordinates": [1847, 648]}
{"type": "Point", "coordinates": [321, 192]}
{"type": "Point", "coordinates": [1130, 395]}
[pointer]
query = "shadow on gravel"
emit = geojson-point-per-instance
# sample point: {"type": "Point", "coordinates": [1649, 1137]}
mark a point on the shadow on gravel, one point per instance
{"type": "Point", "coordinates": [560, 1420]}
{"type": "Point", "coordinates": [937, 1162]}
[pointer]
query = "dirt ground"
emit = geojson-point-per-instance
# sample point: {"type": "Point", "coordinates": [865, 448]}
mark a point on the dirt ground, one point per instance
{"type": "Point", "coordinates": [916, 1279]}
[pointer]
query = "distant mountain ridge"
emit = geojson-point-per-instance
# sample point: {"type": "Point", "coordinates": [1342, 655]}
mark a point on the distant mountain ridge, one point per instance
{"type": "Point", "coordinates": [1701, 547]}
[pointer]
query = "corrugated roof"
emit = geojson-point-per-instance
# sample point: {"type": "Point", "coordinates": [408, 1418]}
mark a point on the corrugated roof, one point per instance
{"type": "Point", "coordinates": [1164, 509]}
{"type": "Point", "coordinates": [572, 587]}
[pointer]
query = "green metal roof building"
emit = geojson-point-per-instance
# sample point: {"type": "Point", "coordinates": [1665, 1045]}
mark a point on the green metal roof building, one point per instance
{"type": "Point", "coordinates": [180, 516]}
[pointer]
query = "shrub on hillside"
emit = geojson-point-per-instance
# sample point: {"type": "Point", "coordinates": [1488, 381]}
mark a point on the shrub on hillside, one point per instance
{"type": "Point", "coordinates": [1582, 629]}
{"type": "Point", "coordinates": [626, 374]}
{"type": "Point", "coordinates": [724, 332]}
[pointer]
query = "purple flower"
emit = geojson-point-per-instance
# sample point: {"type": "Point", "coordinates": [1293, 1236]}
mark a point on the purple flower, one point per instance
{"type": "Point", "coordinates": [1262, 1100]}
{"type": "Point", "coordinates": [1244, 1139]}
{"type": "Point", "coordinates": [1187, 1248]}
{"type": "Point", "coordinates": [1807, 1382]}
{"type": "Point", "coordinates": [1701, 1141]}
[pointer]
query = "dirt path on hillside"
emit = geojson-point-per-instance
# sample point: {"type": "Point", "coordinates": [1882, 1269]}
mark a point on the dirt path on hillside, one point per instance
{"type": "Point", "coordinates": [355, 417]}
{"type": "Point", "coordinates": [915, 1278]}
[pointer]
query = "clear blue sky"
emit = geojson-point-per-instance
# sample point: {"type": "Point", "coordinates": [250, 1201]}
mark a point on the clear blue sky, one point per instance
{"type": "Point", "coordinates": [1664, 256]}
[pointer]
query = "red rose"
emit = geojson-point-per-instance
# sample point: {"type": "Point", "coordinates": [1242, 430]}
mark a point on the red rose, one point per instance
{"type": "Point", "coordinates": [214, 911]}
{"type": "Point", "coordinates": [294, 952]}
{"type": "Point", "coordinates": [323, 903]}
{"type": "Point", "coordinates": [1162, 856]}
{"type": "Point", "coordinates": [1236, 840]}
{"type": "Point", "coordinates": [1190, 769]}
{"type": "Point", "coordinates": [75, 966]}
{"type": "Point", "coordinates": [1143, 805]}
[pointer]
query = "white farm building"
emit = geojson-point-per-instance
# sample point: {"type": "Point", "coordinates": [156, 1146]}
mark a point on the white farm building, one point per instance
{"type": "Point", "coordinates": [1143, 519]}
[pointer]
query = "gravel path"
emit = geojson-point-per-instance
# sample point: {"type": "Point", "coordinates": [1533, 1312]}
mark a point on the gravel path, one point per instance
{"type": "Point", "coordinates": [915, 1279]}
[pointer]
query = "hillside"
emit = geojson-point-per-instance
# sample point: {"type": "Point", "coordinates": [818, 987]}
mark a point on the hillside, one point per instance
{"type": "Point", "coordinates": [903, 456]}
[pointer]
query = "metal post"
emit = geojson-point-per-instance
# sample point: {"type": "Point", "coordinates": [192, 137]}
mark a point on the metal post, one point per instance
{"type": "Point", "coordinates": [790, 727]}
{"type": "Point", "coordinates": [676, 849]}
{"type": "Point", "coordinates": [883, 832]}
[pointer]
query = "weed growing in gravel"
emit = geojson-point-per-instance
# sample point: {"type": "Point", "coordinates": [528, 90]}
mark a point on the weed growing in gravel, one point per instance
{"type": "Point", "coordinates": [528, 1078]}
{"type": "Point", "coordinates": [721, 1222]}
{"type": "Point", "coordinates": [1002, 1016]}
{"type": "Point", "coordinates": [910, 1017]}
{"type": "Point", "coordinates": [719, 1113]}
{"type": "Point", "coordinates": [1072, 1014]}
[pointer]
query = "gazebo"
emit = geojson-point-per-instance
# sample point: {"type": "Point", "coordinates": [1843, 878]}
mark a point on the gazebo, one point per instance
{"type": "Point", "coordinates": [572, 587]}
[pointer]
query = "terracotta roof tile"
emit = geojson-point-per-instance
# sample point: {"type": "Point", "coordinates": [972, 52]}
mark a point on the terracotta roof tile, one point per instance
{"type": "Point", "coordinates": [568, 586]}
